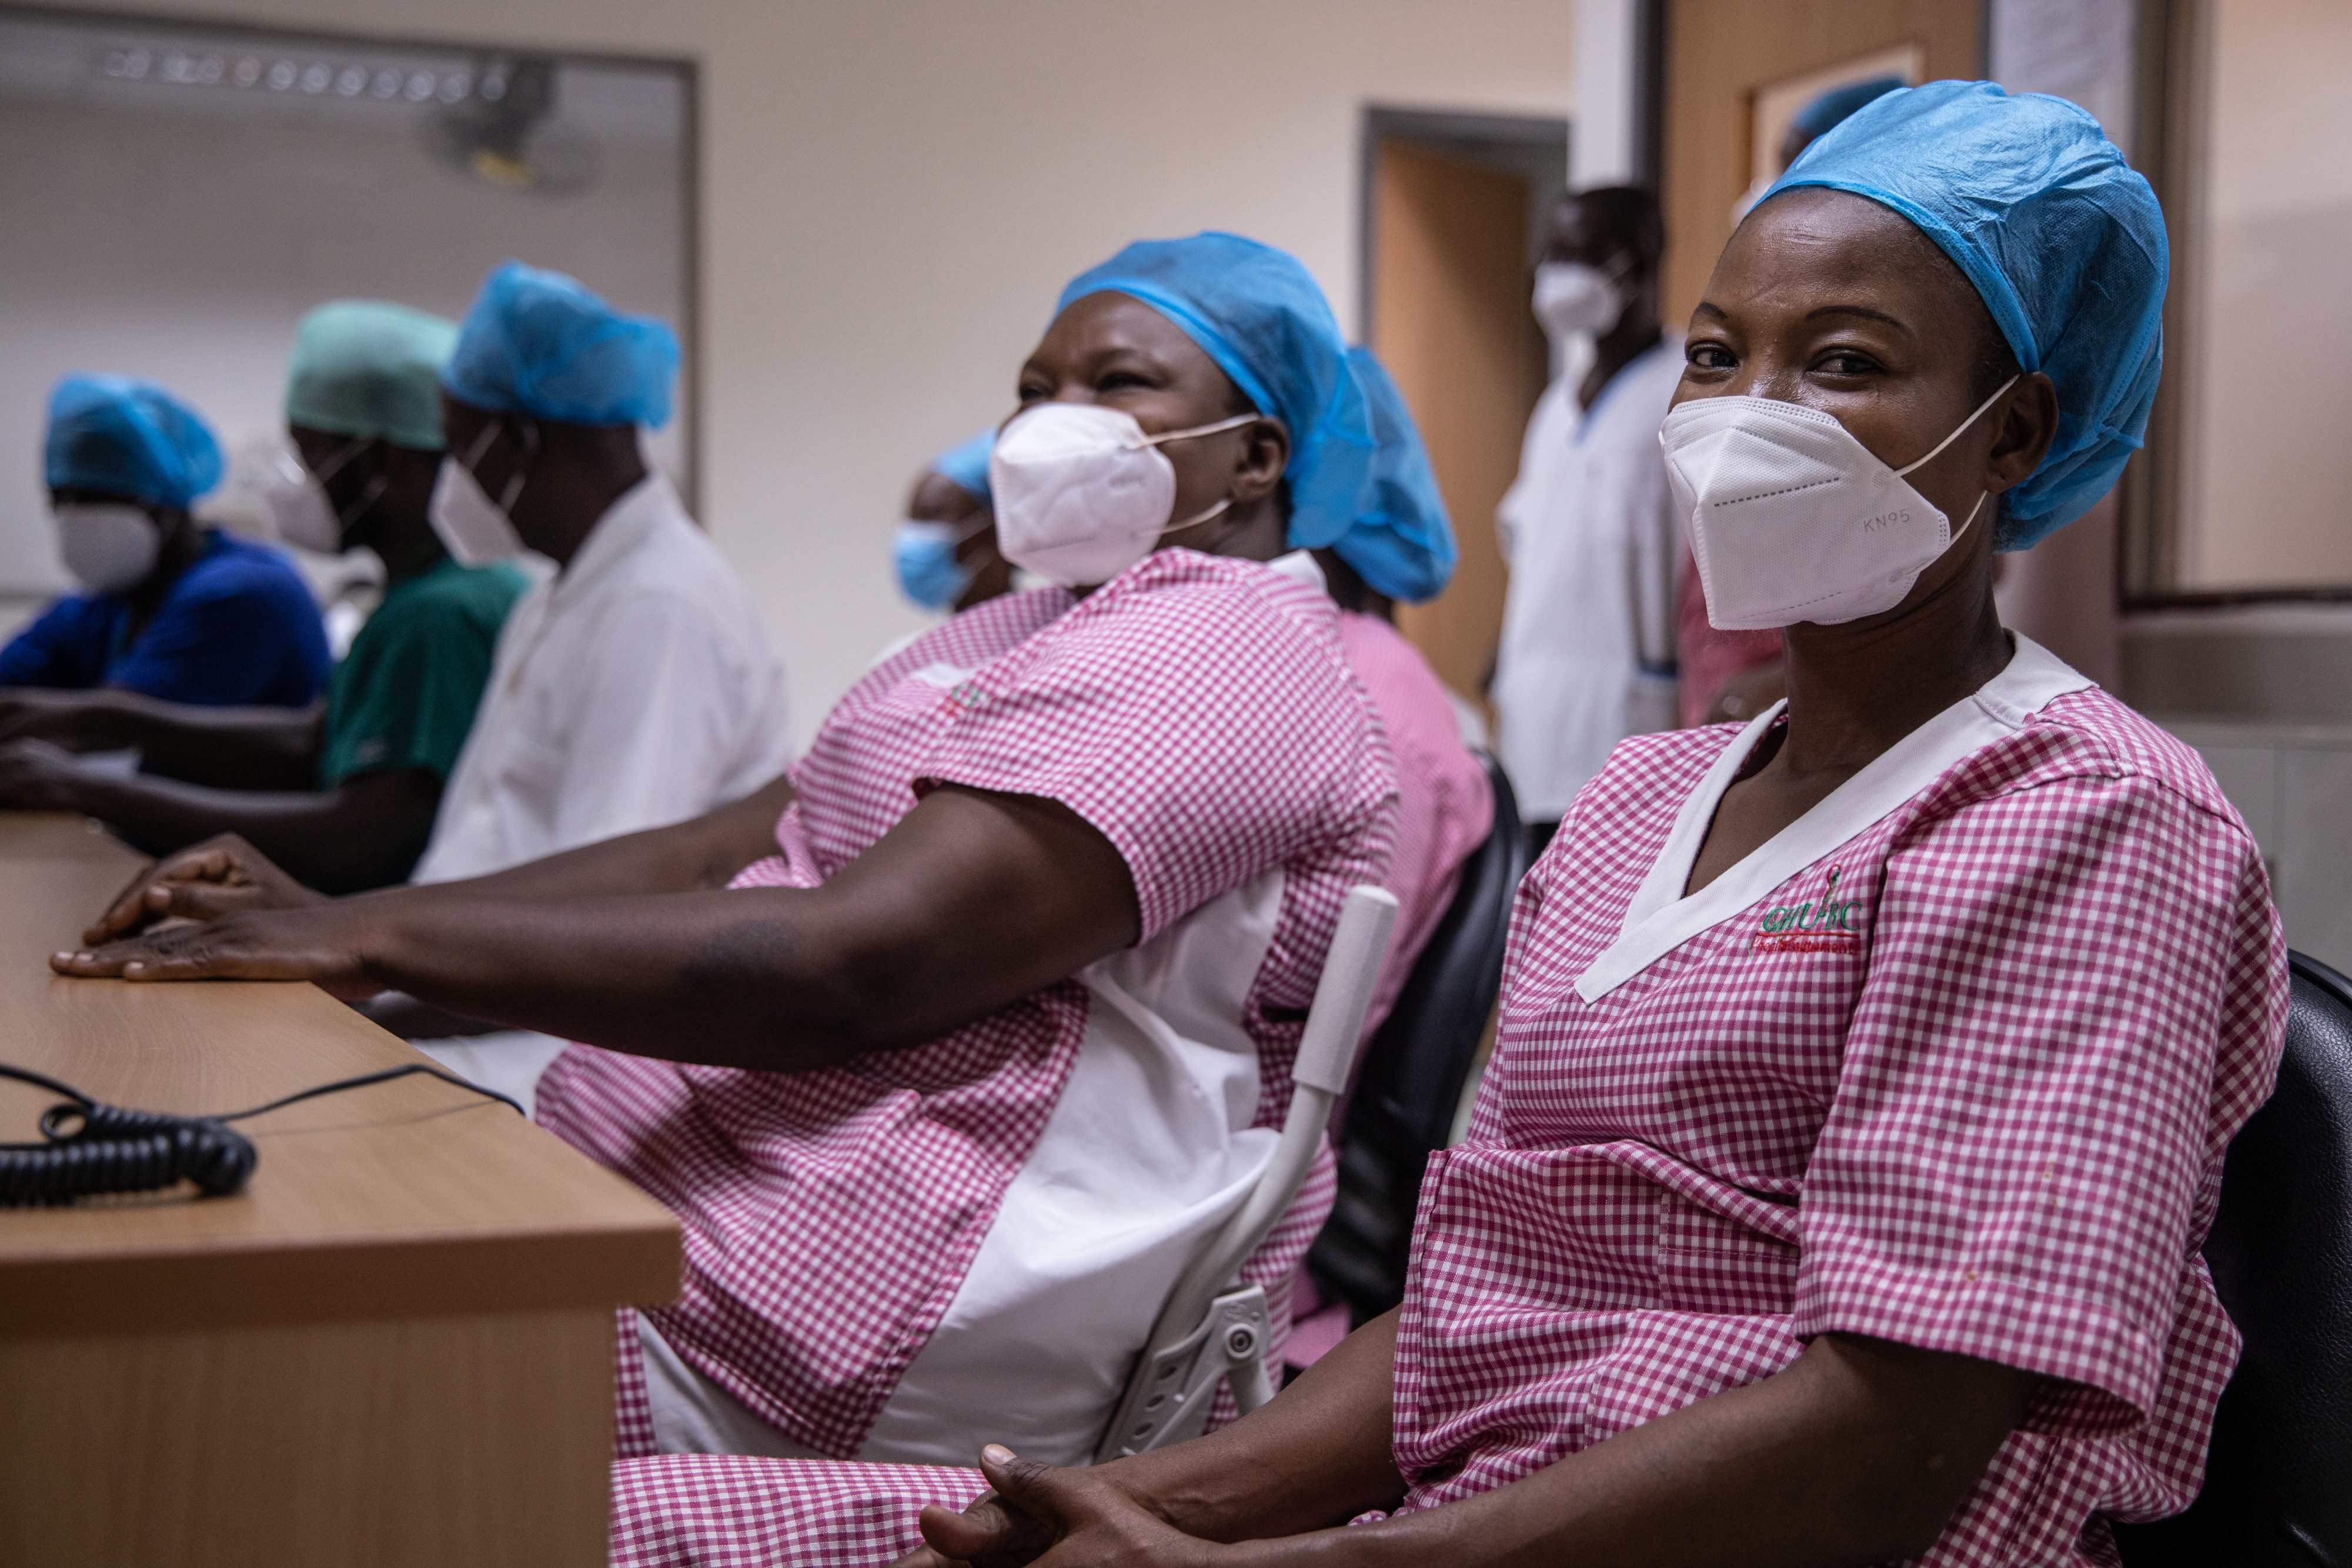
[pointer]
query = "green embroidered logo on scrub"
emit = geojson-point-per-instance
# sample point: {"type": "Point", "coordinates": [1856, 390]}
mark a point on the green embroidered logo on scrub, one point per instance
{"type": "Point", "coordinates": [1825, 925]}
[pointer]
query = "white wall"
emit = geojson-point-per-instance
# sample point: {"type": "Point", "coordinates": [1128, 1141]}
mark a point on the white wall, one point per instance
{"type": "Point", "coordinates": [207, 235]}
{"type": "Point", "coordinates": [1606, 142]}
{"type": "Point", "coordinates": [894, 191]}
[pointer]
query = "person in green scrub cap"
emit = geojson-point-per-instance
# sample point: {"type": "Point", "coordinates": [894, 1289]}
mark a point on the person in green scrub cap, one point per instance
{"type": "Point", "coordinates": [342, 795]}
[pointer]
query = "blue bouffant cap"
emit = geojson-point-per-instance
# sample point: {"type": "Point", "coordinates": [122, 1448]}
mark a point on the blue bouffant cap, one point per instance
{"type": "Point", "coordinates": [122, 436]}
{"type": "Point", "coordinates": [1402, 543]}
{"type": "Point", "coordinates": [1260, 315]}
{"type": "Point", "coordinates": [539, 343]}
{"type": "Point", "coordinates": [965, 464]}
{"type": "Point", "coordinates": [1835, 106]}
{"type": "Point", "coordinates": [2064, 241]}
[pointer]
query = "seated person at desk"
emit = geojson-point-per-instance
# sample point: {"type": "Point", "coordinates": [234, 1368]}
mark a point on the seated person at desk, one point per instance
{"type": "Point", "coordinates": [342, 798]}
{"type": "Point", "coordinates": [171, 610]}
{"type": "Point", "coordinates": [1400, 548]}
{"type": "Point", "coordinates": [637, 687]}
{"type": "Point", "coordinates": [945, 552]}
{"type": "Point", "coordinates": [995, 1026]}
{"type": "Point", "coordinates": [1866, 1072]}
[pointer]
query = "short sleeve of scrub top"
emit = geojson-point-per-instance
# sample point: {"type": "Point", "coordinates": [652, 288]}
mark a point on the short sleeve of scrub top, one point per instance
{"type": "Point", "coordinates": [406, 695]}
{"type": "Point", "coordinates": [2016, 1157]}
{"type": "Point", "coordinates": [1126, 716]}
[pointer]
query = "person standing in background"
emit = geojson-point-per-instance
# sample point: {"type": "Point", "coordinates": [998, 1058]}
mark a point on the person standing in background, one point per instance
{"type": "Point", "coordinates": [170, 609]}
{"type": "Point", "coordinates": [1588, 529]}
{"type": "Point", "coordinates": [945, 552]}
{"type": "Point", "coordinates": [342, 798]}
{"type": "Point", "coordinates": [1737, 674]}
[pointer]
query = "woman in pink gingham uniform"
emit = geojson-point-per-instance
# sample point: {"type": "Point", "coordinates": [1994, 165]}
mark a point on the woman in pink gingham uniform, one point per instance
{"type": "Point", "coordinates": [991, 1025]}
{"type": "Point", "coordinates": [1836, 1193]}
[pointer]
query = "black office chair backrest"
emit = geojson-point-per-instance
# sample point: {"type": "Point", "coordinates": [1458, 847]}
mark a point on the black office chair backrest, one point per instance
{"type": "Point", "coordinates": [2278, 1483]}
{"type": "Point", "coordinates": [1413, 1073]}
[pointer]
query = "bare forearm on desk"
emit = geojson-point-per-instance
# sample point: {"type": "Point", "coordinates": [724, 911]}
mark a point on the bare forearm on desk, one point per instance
{"type": "Point", "coordinates": [687, 857]}
{"type": "Point", "coordinates": [362, 833]}
{"type": "Point", "coordinates": [971, 901]}
{"type": "Point", "coordinates": [229, 748]}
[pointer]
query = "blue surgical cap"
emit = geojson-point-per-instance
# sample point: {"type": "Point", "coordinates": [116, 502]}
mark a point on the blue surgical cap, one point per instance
{"type": "Point", "coordinates": [1261, 317]}
{"type": "Point", "coordinates": [1402, 543]}
{"type": "Point", "coordinates": [1835, 106]}
{"type": "Point", "coordinates": [965, 464]}
{"type": "Point", "coordinates": [537, 344]}
{"type": "Point", "coordinates": [121, 437]}
{"type": "Point", "coordinates": [2064, 241]}
{"type": "Point", "coordinates": [371, 370]}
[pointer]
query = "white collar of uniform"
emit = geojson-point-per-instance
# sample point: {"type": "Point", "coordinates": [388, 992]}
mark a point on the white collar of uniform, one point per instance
{"type": "Point", "coordinates": [1301, 566]}
{"type": "Point", "coordinates": [637, 515]}
{"type": "Point", "coordinates": [1660, 919]}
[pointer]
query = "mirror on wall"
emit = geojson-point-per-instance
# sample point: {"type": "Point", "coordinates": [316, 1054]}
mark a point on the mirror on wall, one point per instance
{"type": "Point", "coordinates": [179, 195]}
{"type": "Point", "coordinates": [2241, 495]}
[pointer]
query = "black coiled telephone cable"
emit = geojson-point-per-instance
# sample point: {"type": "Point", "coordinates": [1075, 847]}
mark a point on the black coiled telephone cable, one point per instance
{"type": "Point", "coordinates": [90, 1147]}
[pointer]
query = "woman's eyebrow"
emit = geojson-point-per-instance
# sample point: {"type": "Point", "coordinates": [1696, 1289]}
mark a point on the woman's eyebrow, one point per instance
{"type": "Point", "coordinates": [1862, 311]}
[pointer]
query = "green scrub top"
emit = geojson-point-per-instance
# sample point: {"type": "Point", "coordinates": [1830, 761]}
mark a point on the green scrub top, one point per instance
{"type": "Point", "coordinates": [404, 696]}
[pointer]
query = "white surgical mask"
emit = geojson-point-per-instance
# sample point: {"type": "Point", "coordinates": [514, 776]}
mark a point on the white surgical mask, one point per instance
{"type": "Point", "coordinates": [1793, 519]}
{"type": "Point", "coordinates": [303, 513]}
{"type": "Point", "coordinates": [1571, 296]}
{"type": "Point", "coordinates": [1081, 493]}
{"type": "Point", "coordinates": [109, 546]}
{"type": "Point", "coordinates": [476, 529]}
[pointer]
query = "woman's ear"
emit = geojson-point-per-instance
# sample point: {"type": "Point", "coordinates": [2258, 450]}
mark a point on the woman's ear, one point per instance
{"type": "Point", "coordinates": [2025, 424]}
{"type": "Point", "coordinates": [1264, 454]}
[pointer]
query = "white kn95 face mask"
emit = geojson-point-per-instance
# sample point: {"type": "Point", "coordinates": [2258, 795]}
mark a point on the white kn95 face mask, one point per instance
{"type": "Point", "coordinates": [1574, 297]}
{"type": "Point", "coordinates": [109, 546]}
{"type": "Point", "coordinates": [475, 529]}
{"type": "Point", "coordinates": [1081, 493]}
{"type": "Point", "coordinates": [1791, 519]}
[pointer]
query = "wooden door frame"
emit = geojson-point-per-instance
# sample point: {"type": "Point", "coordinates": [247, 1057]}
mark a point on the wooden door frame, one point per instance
{"type": "Point", "coordinates": [1381, 124]}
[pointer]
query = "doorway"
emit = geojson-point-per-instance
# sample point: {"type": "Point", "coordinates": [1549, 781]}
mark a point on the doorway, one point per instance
{"type": "Point", "coordinates": [1455, 208]}
{"type": "Point", "coordinates": [1731, 66]}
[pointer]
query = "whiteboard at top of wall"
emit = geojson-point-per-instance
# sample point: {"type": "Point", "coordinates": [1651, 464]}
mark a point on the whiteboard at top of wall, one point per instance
{"type": "Point", "coordinates": [182, 229]}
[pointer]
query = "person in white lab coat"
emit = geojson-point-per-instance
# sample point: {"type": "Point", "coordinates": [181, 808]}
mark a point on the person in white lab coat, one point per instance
{"type": "Point", "coordinates": [635, 688]}
{"type": "Point", "coordinates": [1588, 529]}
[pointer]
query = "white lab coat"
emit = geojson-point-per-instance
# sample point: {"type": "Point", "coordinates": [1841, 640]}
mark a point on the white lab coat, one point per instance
{"type": "Point", "coordinates": [634, 690]}
{"type": "Point", "coordinates": [1589, 533]}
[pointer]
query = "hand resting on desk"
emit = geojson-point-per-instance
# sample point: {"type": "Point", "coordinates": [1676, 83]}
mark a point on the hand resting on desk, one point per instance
{"type": "Point", "coordinates": [223, 875]}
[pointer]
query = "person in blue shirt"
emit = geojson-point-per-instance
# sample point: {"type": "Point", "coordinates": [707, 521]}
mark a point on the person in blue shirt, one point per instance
{"type": "Point", "coordinates": [170, 609]}
{"type": "Point", "coordinates": [343, 795]}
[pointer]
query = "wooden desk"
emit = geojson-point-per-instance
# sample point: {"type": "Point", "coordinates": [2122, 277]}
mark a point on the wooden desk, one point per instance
{"type": "Point", "coordinates": [394, 1347]}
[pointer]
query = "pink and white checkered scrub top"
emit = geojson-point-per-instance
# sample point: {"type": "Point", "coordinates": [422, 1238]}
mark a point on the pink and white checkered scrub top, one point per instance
{"type": "Point", "coordinates": [1971, 1094]}
{"type": "Point", "coordinates": [1197, 711]}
